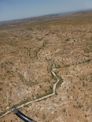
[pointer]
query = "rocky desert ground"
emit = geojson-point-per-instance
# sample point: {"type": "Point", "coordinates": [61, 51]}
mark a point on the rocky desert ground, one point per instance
{"type": "Point", "coordinates": [50, 58]}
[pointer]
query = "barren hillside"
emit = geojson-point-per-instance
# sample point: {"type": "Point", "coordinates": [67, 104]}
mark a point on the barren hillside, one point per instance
{"type": "Point", "coordinates": [50, 58]}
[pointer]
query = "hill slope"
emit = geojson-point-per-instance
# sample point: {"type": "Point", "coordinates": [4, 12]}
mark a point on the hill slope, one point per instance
{"type": "Point", "coordinates": [30, 51]}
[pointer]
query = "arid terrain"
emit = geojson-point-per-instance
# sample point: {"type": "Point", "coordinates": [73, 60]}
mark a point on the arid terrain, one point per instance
{"type": "Point", "coordinates": [34, 55]}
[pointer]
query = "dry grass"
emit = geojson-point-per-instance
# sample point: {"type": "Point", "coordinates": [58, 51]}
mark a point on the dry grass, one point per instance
{"type": "Point", "coordinates": [27, 52]}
